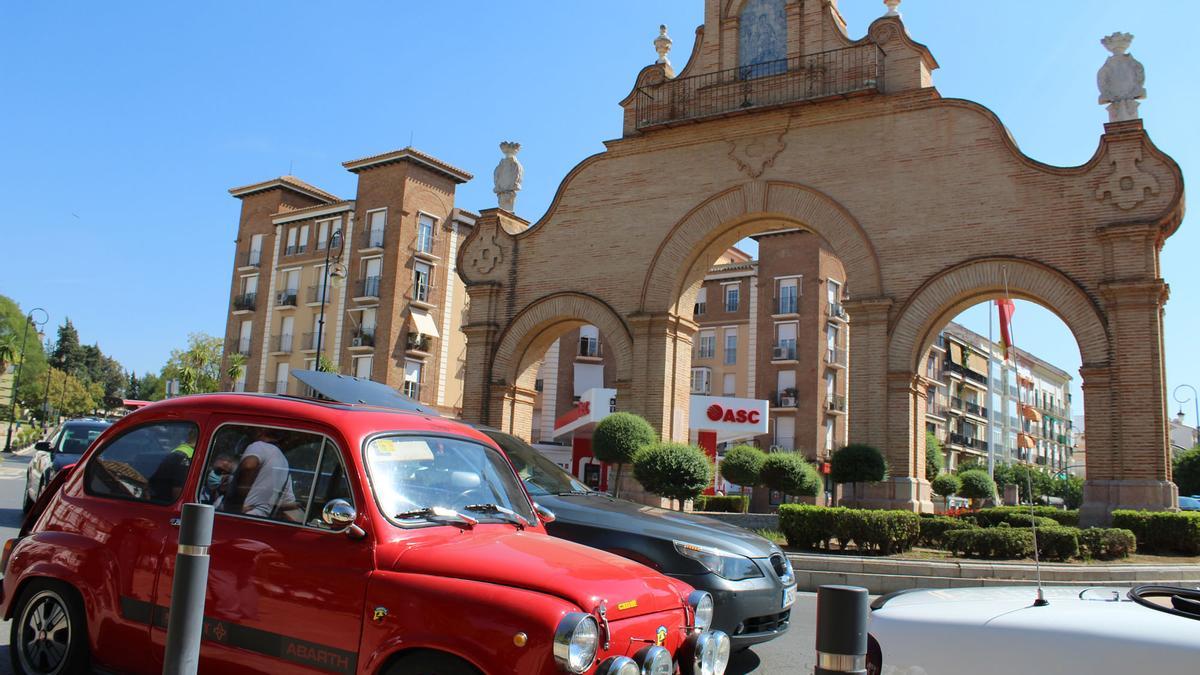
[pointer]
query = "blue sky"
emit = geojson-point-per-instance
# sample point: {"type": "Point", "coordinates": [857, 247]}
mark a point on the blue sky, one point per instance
{"type": "Point", "coordinates": [123, 125]}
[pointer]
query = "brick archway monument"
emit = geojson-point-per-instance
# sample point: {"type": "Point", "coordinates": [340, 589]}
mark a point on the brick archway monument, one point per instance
{"type": "Point", "coordinates": [927, 201]}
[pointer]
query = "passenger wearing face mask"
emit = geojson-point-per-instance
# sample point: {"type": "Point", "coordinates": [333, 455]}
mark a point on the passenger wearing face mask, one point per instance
{"type": "Point", "coordinates": [217, 479]}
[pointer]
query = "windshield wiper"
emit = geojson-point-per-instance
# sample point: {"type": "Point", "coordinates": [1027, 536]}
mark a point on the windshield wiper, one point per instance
{"type": "Point", "coordinates": [567, 493]}
{"type": "Point", "coordinates": [510, 515]}
{"type": "Point", "coordinates": [438, 513]}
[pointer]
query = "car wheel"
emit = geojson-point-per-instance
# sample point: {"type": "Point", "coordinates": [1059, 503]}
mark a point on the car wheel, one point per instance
{"type": "Point", "coordinates": [27, 503]}
{"type": "Point", "coordinates": [49, 631]}
{"type": "Point", "coordinates": [427, 662]}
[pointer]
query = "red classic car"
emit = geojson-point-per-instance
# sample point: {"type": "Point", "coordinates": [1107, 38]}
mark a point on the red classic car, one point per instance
{"type": "Point", "coordinates": [347, 539]}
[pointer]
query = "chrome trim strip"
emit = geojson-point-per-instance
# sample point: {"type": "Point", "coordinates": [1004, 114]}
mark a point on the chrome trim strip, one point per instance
{"type": "Point", "coordinates": [842, 663]}
{"type": "Point", "coordinates": [187, 549]}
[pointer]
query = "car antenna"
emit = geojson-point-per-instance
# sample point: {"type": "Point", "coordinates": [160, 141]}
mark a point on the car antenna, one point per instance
{"type": "Point", "coordinates": [1041, 600]}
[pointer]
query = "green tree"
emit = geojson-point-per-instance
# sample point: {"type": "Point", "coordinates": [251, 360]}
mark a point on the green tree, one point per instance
{"type": "Point", "coordinates": [133, 388]}
{"type": "Point", "coordinates": [976, 484]}
{"type": "Point", "coordinates": [1186, 471]}
{"type": "Point", "coordinates": [791, 474]}
{"type": "Point", "coordinates": [151, 387]}
{"type": "Point", "coordinates": [1026, 478]}
{"type": "Point", "coordinates": [933, 456]}
{"type": "Point", "coordinates": [1070, 489]}
{"type": "Point", "coordinates": [857, 463]}
{"type": "Point", "coordinates": [67, 351]}
{"type": "Point", "coordinates": [10, 349]}
{"type": "Point", "coordinates": [618, 438]}
{"type": "Point", "coordinates": [946, 486]}
{"type": "Point", "coordinates": [70, 396]}
{"type": "Point", "coordinates": [13, 322]}
{"type": "Point", "coordinates": [673, 470]}
{"type": "Point", "coordinates": [742, 465]}
{"type": "Point", "coordinates": [235, 367]}
{"type": "Point", "coordinates": [197, 368]}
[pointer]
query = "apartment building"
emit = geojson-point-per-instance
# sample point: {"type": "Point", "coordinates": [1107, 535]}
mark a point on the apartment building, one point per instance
{"type": "Point", "coordinates": [369, 284]}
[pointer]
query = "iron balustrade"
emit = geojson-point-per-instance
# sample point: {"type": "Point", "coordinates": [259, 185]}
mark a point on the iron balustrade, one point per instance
{"type": "Point", "coordinates": [363, 337]}
{"type": "Point", "coordinates": [784, 399]}
{"type": "Point", "coordinates": [281, 387]}
{"type": "Point", "coordinates": [838, 72]}
{"type": "Point", "coordinates": [422, 291]}
{"type": "Point", "coordinates": [966, 372]}
{"type": "Point", "coordinates": [245, 301]}
{"type": "Point", "coordinates": [240, 346]}
{"type": "Point", "coordinates": [835, 357]}
{"type": "Point", "coordinates": [282, 343]}
{"type": "Point", "coordinates": [308, 342]}
{"type": "Point", "coordinates": [375, 238]}
{"type": "Point", "coordinates": [786, 304]}
{"type": "Point", "coordinates": [368, 288]}
{"type": "Point", "coordinates": [590, 347]}
{"type": "Point", "coordinates": [251, 258]}
{"type": "Point", "coordinates": [417, 342]}
{"type": "Point", "coordinates": [287, 298]}
{"type": "Point", "coordinates": [784, 351]}
{"type": "Point", "coordinates": [835, 310]}
{"type": "Point", "coordinates": [835, 403]}
{"type": "Point", "coordinates": [314, 294]}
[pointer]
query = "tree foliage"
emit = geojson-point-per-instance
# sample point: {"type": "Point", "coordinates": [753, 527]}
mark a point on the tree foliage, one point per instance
{"type": "Point", "coordinates": [946, 485]}
{"type": "Point", "coordinates": [197, 368]}
{"type": "Point", "coordinates": [933, 456]}
{"type": "Point", "coordinates": [617, 440]}
{"type": "Point", "coordinates": [791, 474]}
{"type": "Point", "coordinates": [1186, 471]}
{"type": "Point", "coordinates": [13, 323]}
{"type": "Point", "coordinates": [673, 470]}
{"type": "Point", "coordinates": [976, 484]}
{"type": "Point", "coordinates": [67, 351]}
{"type": "Point", "coordinates": [743, 465]}
{"type": "Point", "coordinates": [858, 463]}
{"type": "Point", "coordinates": [69, 395]}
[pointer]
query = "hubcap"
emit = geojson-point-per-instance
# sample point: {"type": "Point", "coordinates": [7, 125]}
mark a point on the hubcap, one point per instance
{"type": "Point", "coordinates": [45, 634]}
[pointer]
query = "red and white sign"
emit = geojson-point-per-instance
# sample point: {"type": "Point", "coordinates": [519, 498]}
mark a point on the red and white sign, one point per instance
{"type": "Point", "coordinates": [593, 406]}
{"type": "Point", "coordinates": [730, 418]}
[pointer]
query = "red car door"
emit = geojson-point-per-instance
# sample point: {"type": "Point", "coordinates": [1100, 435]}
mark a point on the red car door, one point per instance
{"type": "Point", "coordinates": [131, 489]}
{"type": "Point", "coordinates": [285, 590]}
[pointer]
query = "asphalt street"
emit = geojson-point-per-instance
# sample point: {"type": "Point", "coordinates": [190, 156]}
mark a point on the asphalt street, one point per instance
{"type": "Point", "coordinates": [791, 654]}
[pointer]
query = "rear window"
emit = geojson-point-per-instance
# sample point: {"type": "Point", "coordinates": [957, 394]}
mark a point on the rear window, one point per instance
{"type": "Point", "coordinates": [76, 438]}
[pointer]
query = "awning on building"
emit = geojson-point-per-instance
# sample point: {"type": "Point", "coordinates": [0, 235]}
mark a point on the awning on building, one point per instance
{"type": "Point", "coordinates": [423, 322]}
{"type": "Point", "coordinates": [1031, 413]}
{"type": "Point", "coordinates": [1026, 441]}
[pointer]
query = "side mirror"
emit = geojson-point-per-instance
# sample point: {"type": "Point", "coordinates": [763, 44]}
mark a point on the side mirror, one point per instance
{"type": "Point", "coordinates": [43, 445]}
{"type": "Point", "coordinates": [544, 514]}
{"type": "Point", "coordinates": [340, 515]}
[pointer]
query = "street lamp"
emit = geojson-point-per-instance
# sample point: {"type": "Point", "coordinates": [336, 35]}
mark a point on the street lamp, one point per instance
{"type": "Point", "coordinates": [1194, 399]}
{"type": "Point", "coordinates": [335, 241]}
{"type": "Point", "coordinates": [46, 398]}
{"type": "Point", "coordinates": [12, 404]}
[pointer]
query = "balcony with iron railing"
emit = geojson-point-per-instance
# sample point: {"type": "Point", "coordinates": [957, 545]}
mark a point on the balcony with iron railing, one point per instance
{"type": "Point", "coordinates": [287, 297]}
{"type": "Point", "coordinates": [246, 302]}
{"type": "Point", "coordinates": [367, 288]}
{"type": "Point", "coordinates": [835, 311]}
{"type": "Point", "coordinates": [308, 342]}
{"type": "Point", "coordinates": [250, 259]}
{"type": "Point", "coordinates": [788, 304]}
{"type": "Point", "coordinates": [811, 77]}
{"type": "Point", "coordinates": [965, 372]}
{"type": "Point", "coordinates": [590, 348]}
{"type": "Point", "coordinates": [967, 441]}
{"type": "Point", "coordinates": [281, 387]}
{"type": "Point", "coordinates": [784, 399]}
{"type": "Point", "coordinates": [281, 344]}
{"type": "Point", "coordinates": [969, 407]}
{"type": "Point", "coordinates": [416, 342]}
{"type": "Point", "coordinates": [422, 291]}
{"type": "Point", "coordinates": [835, 357]}
{"type": "Point", "coordinates": [363, 338]}
{"type": "Point", "coordinates": [240, 346]}
{"type": "Point", "coordinates": [374, 238]}
{"type": "Point", "coordinates": [295, 249]}
{"type": "Point", "coordinates": [319, 294]}
{"type": "Point", "coordinates": [784, 350]}
{"type": "Point", "coordinates": [835, 403]}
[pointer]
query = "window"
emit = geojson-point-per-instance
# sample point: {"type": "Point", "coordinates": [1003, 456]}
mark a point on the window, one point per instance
{"type": "Point", "coordinates": [425, 234]}
{"type": "Point", "coordinates": [372, 269]}
{"type": "Point", "coordinates": [256, 242]}
{"type": "Point", "coordinates": [422, 280]}
{"type": "Point", "coordinates": [292, 284]}
{"type": "Point", "coordinates": [785, 342]}
{"type": "Point", "coordinates": [731, 340]}
{"type": "Point", "coordinates": [786, 386]}
{"type": "Point", "coordinates": [376, 221]}
{"type": "Point", "coordinates": [276, 474]}
{"type": "Point", "coordinates": [701, 380]}
{"type": "Point", "coordinates": [785, 431]}
{"type": "Point", "coordinates": [589, 341]}
{"type": "Point", "coordinates": [788, 296]}
{"type": "Point", "coordinates": [148, 464]}
{"type": "Point", "coordinates": [368, 321]}
{"type": "Point", "coordinates": [701, 301]}
{"type": "Point", "coordinates": [730, 388]}
{"type": "Point", "coordinates": [281, 378]}
{"type": "Point", "coordinates": [413, 373]}
{"type": "Point", "coordinates": [250, 284]}
{"type": "Point", "coordinates": [732, 291]}
{"type": "Point", "coordinates": [835, 293]}
{"type": "Point", "coordinates": [831, 343]}
{"type": "Point", "coordinates": [829, 433]}
{"type": "Point", "coordinates": [707, 345]}
{"type": "Point", "coordinates": [362, 366]}
{"type": "Point", "coordinates": [323, 228]}
{"type": "Point", "coordinates": [302, 243]}
{"type": "Point", "coordinates": [286, 330]}
{"type": "Point", "coordinates": [244, 337]}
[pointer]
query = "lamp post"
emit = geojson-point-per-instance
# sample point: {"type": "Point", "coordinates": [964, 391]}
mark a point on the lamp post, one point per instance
{"type": "Point", "coordinates": [46, 398]}
{"type": "Point", "coordinates": [12, 404]}
{"type": "Point", "coordinates": [1196, 401]}
{"type": "Point", "coordinates": [335, 241]}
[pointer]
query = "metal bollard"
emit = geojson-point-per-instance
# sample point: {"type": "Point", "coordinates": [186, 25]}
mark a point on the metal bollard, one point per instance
{"type": "Point", "coordinates": [186, 623]}
{"type": "Point", "coordinates": [841, 630]}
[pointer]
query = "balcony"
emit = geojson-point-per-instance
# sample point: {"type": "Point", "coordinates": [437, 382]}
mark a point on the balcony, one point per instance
{"type": "Point", "coordinates": [962, 371]}
{"type": "Point", "coordinates": [836, 311]}
{"type": "Point", "coordinates": [367, 289]}
{"type": "Point", "coordinates": [374, 239]}
{"type": "Point", "coordinates": [281, 387]}
{"type": "Point", "coordinates": [422, 292]}
{"type": "Point", "coordinates": [787, 305]}
{"type": "Point", "coordinates": [281, 344]}
{"type": "Point", "coordinates": [286, 298]}
{"type": "Point", "coordinates": [835, 357]}
{"type": "Point", "coordinates": [308, 342]}
{"type": "Point", "coordinates": [590, 348]}
{"type": "Point", "coordinates": [250, 259]}
{"type": "Point", "coordinates": [837, 72]}
{"type": "Point", "coordinates": [835, 403]}
{"type": "Point", "coordinates": [967, 441]}
{"type": "Point", "coordinates": [784, 351]}
{"type": "Point", "coordinates": [246, 302]}
{"type": "Point", "coordinates": [239, 346]}
{"type": "Point", "coordinates": [315, 295]}
{"type": "Point", "coordinates": [295, 249]}
{"type": "Point", "coordinates": [784, 399]}
{"type": "Point", "coordinates": [416, 342]}
{"type": "Point", "coordinates": [363, 338]}
{"type": "Point", "coordinates": [969, 407]}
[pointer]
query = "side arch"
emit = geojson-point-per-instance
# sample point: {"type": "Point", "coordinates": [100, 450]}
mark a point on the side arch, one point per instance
{"type": "Point", "coordinates": [953, 290]}
{"type": "Point", "coordinates": [544, 320]}
{"type": "Point", "coordinates": [681, 258]}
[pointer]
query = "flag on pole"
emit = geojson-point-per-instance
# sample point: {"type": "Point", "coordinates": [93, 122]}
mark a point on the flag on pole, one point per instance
{"type": "Point", "coordinates": [1006, 308]}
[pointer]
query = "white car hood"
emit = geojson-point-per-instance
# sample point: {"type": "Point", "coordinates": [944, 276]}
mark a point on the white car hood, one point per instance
{"type": "Point", "coordinates": [985, 631]}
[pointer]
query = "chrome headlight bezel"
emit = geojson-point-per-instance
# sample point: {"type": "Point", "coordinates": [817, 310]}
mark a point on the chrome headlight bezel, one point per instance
{"type": "Point", "coordinates": [575, 652]}
{"type": "Point", "coordinates": [703, 609]}
{"type": "Point", "coordinates": [705, 653]}
{"type": "Point", "coordinates": [653, 659]}
{"type": "Point", "coordinates": [724, 564]}
{"type": "Point", "coordinates": [619, 665]}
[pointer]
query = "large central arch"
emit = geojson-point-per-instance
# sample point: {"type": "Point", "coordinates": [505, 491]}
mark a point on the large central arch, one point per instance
{"type": "Point", "coordinates": [927, 201]}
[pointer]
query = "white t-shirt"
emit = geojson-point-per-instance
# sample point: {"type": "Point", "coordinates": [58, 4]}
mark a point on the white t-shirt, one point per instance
{"type": "Point", "coordinates": [272, 486]}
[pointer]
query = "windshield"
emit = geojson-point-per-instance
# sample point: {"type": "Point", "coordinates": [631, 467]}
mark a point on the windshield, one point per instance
{"type": "Point", "coordinates": [417, 473]}
{"type": "Point", "coordinates": [77, 437]}
{"type": "Point", "coordinates": [541, 476]}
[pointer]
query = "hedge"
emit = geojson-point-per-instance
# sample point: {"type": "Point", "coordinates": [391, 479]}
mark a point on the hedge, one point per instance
{"type": "Point", "coordinates": [1057, 542]}
{"type": "Point", "coordinates": [1107, 543]}
{"type": "Point", "coordinates": [1066, 518]}
{"type": "Point", "coordinates": [934, 529]}
{"type": "Point", "coordinates": [722, 503]}
{"type": "Point", "coordinates": [992, 542]}
{"type": "Point", "coordinates": [996, 516]}
{"type": "Point", "coordinates": [1162, 531]}
{"type": "Point", "coordinates": [871, 531]}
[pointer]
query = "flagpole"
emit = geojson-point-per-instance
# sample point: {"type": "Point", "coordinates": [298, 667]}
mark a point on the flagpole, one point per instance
{"type": "Point", "coordinates": [991, 404]}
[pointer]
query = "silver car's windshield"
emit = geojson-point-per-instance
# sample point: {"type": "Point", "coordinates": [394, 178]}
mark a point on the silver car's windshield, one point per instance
{"type": "Point", "coordinates": [412, 475]}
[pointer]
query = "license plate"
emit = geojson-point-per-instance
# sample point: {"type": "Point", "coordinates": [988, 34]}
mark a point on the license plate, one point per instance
{"type": "Point", "coordinates": [789, 597]}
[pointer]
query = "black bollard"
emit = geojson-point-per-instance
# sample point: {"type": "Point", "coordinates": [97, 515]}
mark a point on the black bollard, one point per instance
{"type": "Point", "coordinates": [186, 623]}
{"type": "Point", "coordinates": [841, 630]}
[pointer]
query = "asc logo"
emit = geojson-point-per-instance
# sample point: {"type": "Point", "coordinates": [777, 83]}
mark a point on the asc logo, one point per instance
{"type": "Point", "coordinates": [718, 413]}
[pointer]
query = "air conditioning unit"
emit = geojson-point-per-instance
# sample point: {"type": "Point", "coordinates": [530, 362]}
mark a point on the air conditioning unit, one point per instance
{"type": "Point", "coordinates": [787, 401]}
{"type": "Point", "coordinates": [780, 353]}
{"type": "Point", "coordinates": [356, 342]}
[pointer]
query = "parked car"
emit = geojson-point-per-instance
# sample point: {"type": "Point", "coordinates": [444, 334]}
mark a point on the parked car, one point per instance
{"type": "Point", "coordinates": [347, 539]}
{"type": "Point", "coordinates": [1189, 504]}
{"type": "Point", "coordinates": [1000, 630]}
{"type": "Point", "coordinates": [749, 577]}
{"type": "Point", "coordinates": [63, 447]}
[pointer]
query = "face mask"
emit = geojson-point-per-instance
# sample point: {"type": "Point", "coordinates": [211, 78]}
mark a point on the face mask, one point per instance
{"type": "Point", "coordinates": [213, 481]}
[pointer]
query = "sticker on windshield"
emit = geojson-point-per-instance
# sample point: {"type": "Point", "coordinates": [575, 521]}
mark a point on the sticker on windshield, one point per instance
{"type": "Point", "coordinates": [401, 450]}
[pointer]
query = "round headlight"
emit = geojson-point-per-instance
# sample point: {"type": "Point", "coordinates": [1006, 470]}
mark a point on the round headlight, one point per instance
{"type": "Point", "coordinates": [702, 605]}
{"type": "Point", "coordinates": [575, 642]}
{"type": "Point", "coordinates": [619, 665]}
{"type": "Point", "coordinates": [723, 649]}
{"type": "Point", "coordinates": [655, 660]}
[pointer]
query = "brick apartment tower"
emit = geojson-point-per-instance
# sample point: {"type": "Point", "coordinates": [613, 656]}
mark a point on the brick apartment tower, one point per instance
{"type": "Point", "coordinates": [393, 302]}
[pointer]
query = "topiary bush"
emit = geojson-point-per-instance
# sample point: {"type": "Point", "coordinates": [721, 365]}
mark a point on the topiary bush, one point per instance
{"type": "Point", "coordinates": [1107, 543]}
{"type": "Point", "coordinates": [946, 486]}
{"type": "Point", "coordinates": [618, 438]}
{"type": "Point", "coordinates": [870, 531]}
{"type": "Point", "coordinates": [742, 465]}
{"type": "Point", "coordinates": [976, 484]}
{"type": "Point", "coordinates": [857, 463]}
{"type": "Point", "coordinates": [1162, 531]}
{"type": "Point", "coordinates": [790, 474]}
{"type": "Point", "coordinates": [996, 542]}
{"type": "Point", "coordinates": [722, 503]}
{"type": "Point", "coordinates": [673, 470]}
{"type": "Point", "coordinates": [934, 529]}
{"type": "Point", "coordinates": [1057, 542]}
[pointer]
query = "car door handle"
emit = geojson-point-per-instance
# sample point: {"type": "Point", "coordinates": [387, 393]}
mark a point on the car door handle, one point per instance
{"type": "Point", "coordinates": [174, 522]}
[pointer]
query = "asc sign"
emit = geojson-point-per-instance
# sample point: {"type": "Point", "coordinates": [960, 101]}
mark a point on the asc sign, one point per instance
{"type": "Point", "coordinates": [730, 417]}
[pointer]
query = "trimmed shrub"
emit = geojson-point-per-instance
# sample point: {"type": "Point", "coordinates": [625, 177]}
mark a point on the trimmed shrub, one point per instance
{"type": "Point", "coordinates": [790, 474]}
{"type": "Point", "coordinates": [946, 485]}
{"type": "Point", "coordinates": [871, 531]}
{"type": "Point", "coordinates": [1015, 517]}
{"type": "Point", "coordinates": [976, 484]}
{"type": "Point", "coordinates": [995, 542]}
{"type": "Point", "coordinates": [1162, 531]}
{"type": "Point", "coordinates": [1057, 542]}
{"type": "Point", "coordinates": [1107, 543]}
{"type": "Point", "coordinates": [1064, 518]}
{"type": "Point", "coordinates": [857, 463]}
{"type": "Point", "coordinates": [742, 465]}
{"type": "Point", "coordinates": [673, 470]}
{"type": "Point", "coordinates": [618, 438]}
{"type": "Point", "coordinates": [934, 529]}
{"type": "Point", "coordinates": [933, 456]}
{"type": "Point", "coordinates": [722, 503]}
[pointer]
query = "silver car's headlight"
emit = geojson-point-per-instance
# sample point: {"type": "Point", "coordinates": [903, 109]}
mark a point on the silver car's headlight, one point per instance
{"type": "Point", "coordinates": [619, 665]}
{"type": "Point", "coordinates": [702, 608]}
{"type": "Point", "coordinates": [655, 660]}
{"type": "Point", "coordinates": [575, 642]}
{"type": "Point", "coordinates": [705, 653]}
{"type": "Point", "coordinates": [726, 565]}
